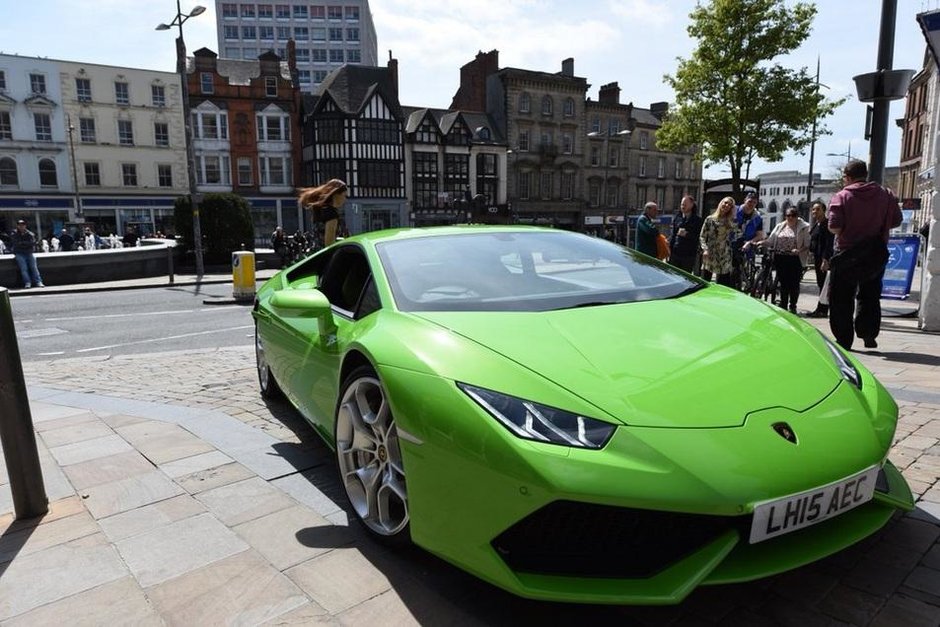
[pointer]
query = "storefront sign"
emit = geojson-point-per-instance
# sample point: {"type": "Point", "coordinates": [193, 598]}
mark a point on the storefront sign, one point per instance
{"type": "Point", "coordinates": [899, 272]}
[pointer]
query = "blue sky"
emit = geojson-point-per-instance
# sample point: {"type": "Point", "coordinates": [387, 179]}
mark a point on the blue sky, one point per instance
{"type": "Point", "coordinates": [633, 42]}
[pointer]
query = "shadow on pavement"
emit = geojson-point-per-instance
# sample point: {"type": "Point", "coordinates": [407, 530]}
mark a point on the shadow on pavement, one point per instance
{"type": "Point", "coordinates": [910, 358]}
{"type": "Point", "coordinates": [14, 538]}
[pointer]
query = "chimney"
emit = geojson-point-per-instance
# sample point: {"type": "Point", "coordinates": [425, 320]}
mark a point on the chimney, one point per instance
{"type": "Point", "coordinates": [393, 71]}
{"type": "Point", "coordinates": [659, 109]}
{"type": "Point", "coordinates": [567, 67]}
{"type": "Point", "coordinates": [609, 94]}
{"type": "Point", "coordinates": [471, 95]}
{"type": "Point", "coordinates": [292, 61]}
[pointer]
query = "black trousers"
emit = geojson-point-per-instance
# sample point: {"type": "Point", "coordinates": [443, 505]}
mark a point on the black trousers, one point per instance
{"type": "Point", "coordinates": [789, 271]}
{"type": "Point", "coordinates": [721, 279]}
{"type": "Point", "coordinates": [820, 280]}
{"type": "Point", "coordinates": [683, 262]}
{"type": "Point", "coordinates": [859, 298]}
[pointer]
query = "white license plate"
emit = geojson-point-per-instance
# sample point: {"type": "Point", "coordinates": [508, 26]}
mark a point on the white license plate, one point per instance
{"type": "Point", "coordinates": [798, 511]}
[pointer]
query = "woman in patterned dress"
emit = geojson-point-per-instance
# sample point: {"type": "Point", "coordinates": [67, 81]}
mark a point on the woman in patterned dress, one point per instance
{"type": "Point", "coordinates": [717, 232]}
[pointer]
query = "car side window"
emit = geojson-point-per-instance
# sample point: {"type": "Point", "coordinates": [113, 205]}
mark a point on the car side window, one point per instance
{"type": "Point", "coordinates": [345, 278]}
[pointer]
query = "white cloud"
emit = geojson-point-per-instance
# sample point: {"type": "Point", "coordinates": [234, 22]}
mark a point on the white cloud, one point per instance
{"type": "Point", "coordinates": [655, 12]}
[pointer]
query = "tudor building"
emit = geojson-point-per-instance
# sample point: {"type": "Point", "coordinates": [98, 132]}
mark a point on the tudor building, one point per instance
{"type": "Point", "coordinates": [245, 119]}
{"type": "Point", "coordinates": [353, 131]}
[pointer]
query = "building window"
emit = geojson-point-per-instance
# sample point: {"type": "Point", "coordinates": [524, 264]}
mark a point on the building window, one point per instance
{"type": "Point", "coordinates": [642, 168]}
{"type": "Point", "coordinates": [283, 33]}
{"type": "Point", "coordinates": [613, 156]}
{"type": "Point", "coordinates": [265, 11]}
{"type": "Point", "coordinates": [273, 127]}
{"type": "Point", "coordinates": [270, 87]}
{"type": "Point", "coordinates": [456, 174]}
{"type": "Point", "coordinates": [92, 175]}
{"type": "Point", "coordinates": [545, 185]}
{"type": "Point", "coordinates": [229, 11]}
{"type": "Point", "coordinates": [546, 139]}
{"type": "Point", "coordinates": [230, 32]}
{"type": "Point", "coordinates": [525, 179]}
{"type": "Point", "coordinates": [8, 175]}
{"type": "Point", "coordinates": [661, 167]}
{"type": "Point", "coordinates": [380, 174]}
{"type": "Point", "coordinates": [352, 14]}
{"type": "Point", "coordinates": [487, 177]}
{"type": "Point", "coordinates": [6, 127]}
{"type": "Point", "coordinates": [301, 33]}
{"type": "Point", "coordinates": [37, 83]}
{"type": "Point", "coordinates": [613, 126]}
{"type": "Point", "coordinates": [245, 178]}
{"type": "Point", "coordinates": [644, 140]}
{"type": "Point", "coordinates": [335, 13]}
{"type": "Point", "coordinates": [680, 165]}
{"type": "Point", "coordinates": [547, 105]}
{"type": "Point", "coordinates": [318, 34]}
{"type": "Point", "coordinates": [374, 131]}
{"type": "Point", "coordinates": [122, 94]}
{"type": "Point", "coordinates": [567, 185]}
{"type": "Point", "coordinates": [282, 11]}
{"type": "Point", "coordinates": [83, 89]}
{"type": "Point", "coordinates": [266, 33]}
{"type": "Point", "coordinates": [352, 34]}
{"type": "Point", "coordinates": [523, 141]}
{"type": "Point", "coordinates": [303, 55]}
{"type": "Point", "coordinates": [304, 76]}
{"type": "Point", "coordinates": [336, 56]}
{"type": "Point", "coordinates": [249, 54]}
{"type": "Point", "coordinates": [319, 76]}
{"type": "Point", "coordinates": [318, 56]}
{"type": "Point", "coordinates": [86, 130]}
{"type": "Point", "coordinates": [354, 56]}
{"type": "Point", "coordinates": [164, 175]}
{"type": "Point", "coordinates": [425, 179]}
{"type": "Point", "coordinates": [594, 194]}
{"type": "Point", "coordinates": [300, 12]}
{"type": "Point", "coordinates": [212, 170]}
{"type": "Point", "coordinates": [129, 174]}
{"type": "Point", "coordinates": [161, 133]}
{"type": "Point", "coordinates": [125, 132]}
{"type": "Point", "coordinates": [525, 103]}
{"type": "Point", "coordinates": [210, 125]}
{"type": "Point", "coordinates": [336, 34]}
{"type": "Point", "coordinates": [595, 156]}
{"type": "Point", "coordinates": [595, 124]}
{"type": "Point", "coordinates": [249, 32]}
{"type": "Point", "coordinates": [317, 12]}
{"type": "Point", "coordinates": [47, 174]}
{"type": "Point", "coordinates": [205, 83]}
{"type": "Point", "coordinates": [3, 80]}
{"type": "Point", "coordinates": [43, 124]}
{"type": "Point", "coordinates": [158, 95]}
{"type": "Point", "coordinates": [248, 10]}
{"type": "Point", "coordinates": [611, 193]}
{"type": "Point", "coordinates": [569, 108]}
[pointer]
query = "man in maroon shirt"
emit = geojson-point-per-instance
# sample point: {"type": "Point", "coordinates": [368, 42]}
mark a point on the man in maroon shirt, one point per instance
{"type": "Point", "coordinates": [860, 217]}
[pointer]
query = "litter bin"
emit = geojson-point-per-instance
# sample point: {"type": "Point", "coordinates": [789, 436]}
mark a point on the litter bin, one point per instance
{"type": "Point", "coordinates": [243, 275]}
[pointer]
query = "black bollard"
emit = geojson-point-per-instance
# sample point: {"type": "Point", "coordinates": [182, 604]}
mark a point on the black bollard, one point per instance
{"type": "Point", "coordinates": [17, 438]}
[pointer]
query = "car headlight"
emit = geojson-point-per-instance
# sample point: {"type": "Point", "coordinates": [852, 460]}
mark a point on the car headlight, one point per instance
{"type": "Point", "coordinates": [849, 372]}
{"type": "Point", "coordinates": [534, 421]}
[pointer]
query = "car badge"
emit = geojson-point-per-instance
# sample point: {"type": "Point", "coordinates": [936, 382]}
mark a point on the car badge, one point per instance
{"type": "Point", "coordinates": [784, 431]}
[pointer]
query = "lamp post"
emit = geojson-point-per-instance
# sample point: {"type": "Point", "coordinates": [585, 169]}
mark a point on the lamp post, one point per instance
{"type": "Point", "coordinates": [78, 195]}
{"type": "Point", "coordinates": [188, 126]}
{"type": "Point", "coordinates": [847, 154]}
{"type": "Point", "coordinates": [607, 136]}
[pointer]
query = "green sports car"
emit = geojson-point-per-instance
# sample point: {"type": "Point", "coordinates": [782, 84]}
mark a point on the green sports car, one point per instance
{"type": "Point", "coordinates": [571, 420]}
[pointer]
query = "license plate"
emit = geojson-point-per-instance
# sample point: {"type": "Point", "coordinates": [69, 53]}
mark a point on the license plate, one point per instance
{"type": "Point", "coordinates": [798, 511]}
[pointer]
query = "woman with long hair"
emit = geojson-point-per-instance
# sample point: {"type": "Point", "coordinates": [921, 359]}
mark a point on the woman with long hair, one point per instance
{"type": "Point", "coordinates": [325, 201]}
{"type": "Point", "coordinates": [790, 242]}
{"type": "Point", "coordinates": [717, 233]}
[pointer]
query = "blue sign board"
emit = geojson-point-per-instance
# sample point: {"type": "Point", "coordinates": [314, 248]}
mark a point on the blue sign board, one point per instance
{"type": "Point", "coordinates": [899, 272]}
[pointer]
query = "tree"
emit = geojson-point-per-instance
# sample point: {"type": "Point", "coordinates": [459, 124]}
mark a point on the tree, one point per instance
{"type": "Point", "coordinates": [225, 222]}
{"type": "Point", "coordinates": [732, 99]}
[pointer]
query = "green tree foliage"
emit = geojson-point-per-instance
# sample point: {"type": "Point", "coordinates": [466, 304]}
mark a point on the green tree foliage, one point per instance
{"type": "Point", "coordinates": [225, 222]}
{"type": "Point", "coordinates": [732, 99]}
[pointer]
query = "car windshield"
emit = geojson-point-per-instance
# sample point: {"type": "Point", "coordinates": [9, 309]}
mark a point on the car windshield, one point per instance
{"type": "Point", "coordinates": [517, 270]}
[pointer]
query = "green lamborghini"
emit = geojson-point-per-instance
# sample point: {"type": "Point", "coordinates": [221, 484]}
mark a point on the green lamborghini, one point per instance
{"type": "Point", "coordinates": [571, 420]}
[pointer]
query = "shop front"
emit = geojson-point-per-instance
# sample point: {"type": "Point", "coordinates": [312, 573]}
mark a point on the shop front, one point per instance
{"type": "Point", "coordinates": [111, 215]}
{"type": "Point", "coordinates": [44, 215]}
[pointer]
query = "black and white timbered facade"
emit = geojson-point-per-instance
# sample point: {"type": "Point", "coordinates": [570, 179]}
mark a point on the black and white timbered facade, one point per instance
{"type": "Point", "coordinates": [355, 133]}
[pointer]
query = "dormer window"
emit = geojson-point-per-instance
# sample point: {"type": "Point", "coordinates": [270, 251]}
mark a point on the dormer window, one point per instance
{"type": "Point", "coordinates": [270, 87]}
{"type": "Point", "coordinates": [205, 83]}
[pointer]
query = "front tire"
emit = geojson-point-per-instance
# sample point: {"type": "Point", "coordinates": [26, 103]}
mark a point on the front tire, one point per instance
{"type": "Point", "coordinates": [269, 387]}
{"type": "Point", "coordinates": [368, 457]}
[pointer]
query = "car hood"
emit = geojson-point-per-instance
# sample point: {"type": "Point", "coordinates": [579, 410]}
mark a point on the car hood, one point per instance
{"type": "Point", "coordinates": [704, 360]}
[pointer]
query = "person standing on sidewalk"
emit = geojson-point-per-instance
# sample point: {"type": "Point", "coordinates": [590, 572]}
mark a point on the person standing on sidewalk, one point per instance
{"type": "Point", "coordinates": [820, 244]}
{"type": "Point", "coordinates": [686, 230]}
{"type": "Point", "coordinates": [646, 231]}
{"type": "Point", "coordinates": [860, 217]}
{"type": "Point", "coordinates": [23, 243]}
{"type": "Point", "coordinates": [790, 243]}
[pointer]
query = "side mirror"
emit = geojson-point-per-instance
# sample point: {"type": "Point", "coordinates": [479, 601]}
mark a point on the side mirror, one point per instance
{"type": "Point", "coordinates": [307, 303]}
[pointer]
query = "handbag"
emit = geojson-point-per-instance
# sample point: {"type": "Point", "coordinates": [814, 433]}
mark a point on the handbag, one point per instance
{"type": "Point", "coordinates": [824, 290]}
{"type": "Point", "coordinates": [662, 247]}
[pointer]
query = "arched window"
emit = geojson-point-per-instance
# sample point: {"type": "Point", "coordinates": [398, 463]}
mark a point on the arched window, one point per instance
{"type": "Point", "coordinates": [569, 108]}
{"type": "Point", "coordinates": [47, 176]}
{"type": "Point", "coordinates": [525, 105]}
{"type": "Point", "coordinates": [8, 177]}
{"type": "Point", "coordinates": [546, 105]}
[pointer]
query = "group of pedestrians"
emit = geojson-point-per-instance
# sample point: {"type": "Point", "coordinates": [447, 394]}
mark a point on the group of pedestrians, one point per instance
{"type": "Point", "coordinates": [848, 242]}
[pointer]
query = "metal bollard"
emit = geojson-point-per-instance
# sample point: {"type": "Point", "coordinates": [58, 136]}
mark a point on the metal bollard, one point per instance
{"type": "Point", "coordinates": [169, 263]}
{"type": "Point", "coordinates": [17, 438]}
{"type": "Point", "coordinates": [243, 275]}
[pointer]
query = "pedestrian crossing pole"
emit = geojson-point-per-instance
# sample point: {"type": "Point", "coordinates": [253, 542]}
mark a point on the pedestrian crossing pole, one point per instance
{"type": "Point", "coordinates": [17, 438]}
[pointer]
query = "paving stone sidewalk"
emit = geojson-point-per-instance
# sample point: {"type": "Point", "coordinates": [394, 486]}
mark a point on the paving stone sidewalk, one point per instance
{"type": "Point", "coordinates": [179, 497]}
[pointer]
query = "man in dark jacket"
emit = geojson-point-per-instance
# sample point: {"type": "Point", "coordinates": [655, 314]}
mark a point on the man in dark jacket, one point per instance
{"type": "Point", "coordinates": [686, 231]}
{"type": "Point", "coordinates": [23, 243]}
{"type": "Point", "coordinates": [66, 241]}
{"type": "Point", "coordinates": [820, 244]}
{"type": "Point", "coordinates": [860, 217]}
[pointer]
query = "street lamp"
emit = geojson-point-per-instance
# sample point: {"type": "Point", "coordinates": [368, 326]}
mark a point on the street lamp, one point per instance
{"type": "Point", "coordinates": [607, 135]}
{"type": "Point", "coordinates": [188, 125]}
{"type": "Point", "coordinates": [847, 154]}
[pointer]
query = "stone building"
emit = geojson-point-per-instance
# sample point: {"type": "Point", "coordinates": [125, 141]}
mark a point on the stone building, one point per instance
{"type": "Point", "coordinates": [915, 185]}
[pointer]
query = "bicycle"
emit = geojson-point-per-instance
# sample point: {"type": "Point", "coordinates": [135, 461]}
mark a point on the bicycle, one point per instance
{"type": "Point", "coordinates": [766, 284]}
{"type": "Point", "coordinates": [745, 269]}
